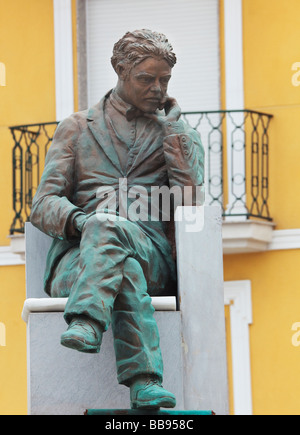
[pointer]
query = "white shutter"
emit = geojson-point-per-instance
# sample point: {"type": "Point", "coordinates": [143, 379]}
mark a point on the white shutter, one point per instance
{"type": "Point", "coordinates": [192, 27]}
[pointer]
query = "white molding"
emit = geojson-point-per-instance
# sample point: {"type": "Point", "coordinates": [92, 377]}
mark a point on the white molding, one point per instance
{"type": "Point", "coordinates": [285, 240]}
{"type": "Point", "coordinates": [17, 244]}
{"type": "Point", "coordinates": [42, 305]}
{"type": "Point", "coordinates": [64, 80]}
{"type": "Point", "coordinates": [8, 258]}
{"type": "Point", "coordinates": [238, 297]}
{"type": "Point", "coordinates": [257, 236]}
{"type": "Point", "coordinates": [246, 236]}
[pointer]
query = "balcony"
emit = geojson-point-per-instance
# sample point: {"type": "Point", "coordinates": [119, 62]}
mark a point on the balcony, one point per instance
{"type": "Point", "coordinates": [237, 174]}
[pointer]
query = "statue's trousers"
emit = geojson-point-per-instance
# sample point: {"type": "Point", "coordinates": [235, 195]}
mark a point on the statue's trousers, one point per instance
{"type": "Point", "coordinates": [110, 278]}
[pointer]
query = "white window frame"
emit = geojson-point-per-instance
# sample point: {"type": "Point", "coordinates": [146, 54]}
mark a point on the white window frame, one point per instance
{"type": "Point", "coordinates": [238, 297]}
{"type": "Point", "coordinates": [234, 92]}
{"type": "Point", "coordinates": [63, 37]}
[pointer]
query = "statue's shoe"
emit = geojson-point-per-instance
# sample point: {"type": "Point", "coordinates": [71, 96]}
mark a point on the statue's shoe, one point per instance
{"type": "Point", "coordinates": [83, 334]}
{"type": "Point", "coordinates": [148, 393]}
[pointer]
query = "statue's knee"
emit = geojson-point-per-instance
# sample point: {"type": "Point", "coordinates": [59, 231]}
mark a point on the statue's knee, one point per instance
{"type": "Point", "coordinates": [91, 224]}
{"type": "Point", "coordinates": [107, 228]}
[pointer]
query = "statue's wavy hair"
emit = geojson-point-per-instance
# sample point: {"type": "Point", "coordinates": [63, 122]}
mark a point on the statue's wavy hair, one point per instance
{"type": "Point", "coordinates": [137, 46]}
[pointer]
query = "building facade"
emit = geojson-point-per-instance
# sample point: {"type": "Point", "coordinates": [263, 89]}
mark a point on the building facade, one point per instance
{"type": "Point", "coordinates": [238, 82]}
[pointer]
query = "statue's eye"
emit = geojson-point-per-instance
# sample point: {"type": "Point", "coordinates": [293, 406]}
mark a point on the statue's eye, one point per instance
{"type": "Point", "coordinates": [145, 79]}
{"type": "Point", "coordinates": [165, 80]}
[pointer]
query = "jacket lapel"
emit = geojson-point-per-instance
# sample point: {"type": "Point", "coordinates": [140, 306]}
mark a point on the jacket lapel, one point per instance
{"type": "Point", "coordinates": [151, 139]}
{"type": "Point", "coordinates": [97, 125]}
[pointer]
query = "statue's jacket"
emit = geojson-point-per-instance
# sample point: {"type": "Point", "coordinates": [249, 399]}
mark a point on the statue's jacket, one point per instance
{"type": "Point", "coordinates": [82, 159]}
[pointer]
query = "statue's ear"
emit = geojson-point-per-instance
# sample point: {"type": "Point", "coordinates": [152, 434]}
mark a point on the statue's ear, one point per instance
{"type": "Point", "coordinates": [121, 71]}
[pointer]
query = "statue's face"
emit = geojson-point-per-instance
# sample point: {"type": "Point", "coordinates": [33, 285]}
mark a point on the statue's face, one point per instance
{"type": "Point", "coordinates": [146, 85]}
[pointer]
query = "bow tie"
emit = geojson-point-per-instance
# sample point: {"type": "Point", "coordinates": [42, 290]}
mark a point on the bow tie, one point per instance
{"type": "Point", "coordinates": [133, 113]}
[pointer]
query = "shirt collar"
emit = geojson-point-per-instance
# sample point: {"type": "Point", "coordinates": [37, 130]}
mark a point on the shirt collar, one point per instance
{"type": "Point", "coordinates": [130, 112]}
{"type": "Point", "coordinates": [118, 103]}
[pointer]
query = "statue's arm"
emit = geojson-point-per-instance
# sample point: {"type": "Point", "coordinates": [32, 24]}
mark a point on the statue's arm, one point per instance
{"type": "Point", "coordinates": [184, 154]}
{"type": "Point", "coordinates": [52, 205]}
{"type": "Point", "coordinates": [183, 150]}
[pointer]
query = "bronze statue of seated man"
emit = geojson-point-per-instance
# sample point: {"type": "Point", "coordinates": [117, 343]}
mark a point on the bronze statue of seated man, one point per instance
{"type": "Point", "coordinates": [109, 264]}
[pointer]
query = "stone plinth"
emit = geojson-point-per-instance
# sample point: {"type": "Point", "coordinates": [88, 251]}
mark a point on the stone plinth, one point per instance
{"type": "Point", "coordinates": [201, 296]}
{"type": "Point", "coordinates": [62, 381]}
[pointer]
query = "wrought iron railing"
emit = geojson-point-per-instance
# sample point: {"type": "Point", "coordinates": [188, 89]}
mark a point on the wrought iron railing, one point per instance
{"type": "Point", "coordinates": [236, 165]}
{"type": "Point", "coordinates": [31, 143]}
{"type": "Point", "coordinates": [237, 160]}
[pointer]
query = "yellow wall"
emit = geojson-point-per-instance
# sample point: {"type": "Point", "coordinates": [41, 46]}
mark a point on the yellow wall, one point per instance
{"type": "Point", "coordinates": [27, 50]}
{"type": "Point", "coordinates": [271, 47]}
{"type": "Point", "coordinates": [275, 361]}
{"type": "Point", "coordinates": [13, 383]}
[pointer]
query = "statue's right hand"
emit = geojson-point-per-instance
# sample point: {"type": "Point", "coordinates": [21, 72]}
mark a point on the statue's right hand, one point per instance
{"type": "Point", "coordinates": [172, 112]}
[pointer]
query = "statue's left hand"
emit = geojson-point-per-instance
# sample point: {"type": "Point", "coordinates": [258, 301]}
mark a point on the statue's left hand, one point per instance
{"type": "Point", "coordinates": [172, 112]}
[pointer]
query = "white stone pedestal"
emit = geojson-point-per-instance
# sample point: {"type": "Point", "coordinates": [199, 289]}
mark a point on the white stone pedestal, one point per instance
{"type": "Point", "coordinates": [63, 381]}
{"type": "Point", "coordinates": [201, 297]}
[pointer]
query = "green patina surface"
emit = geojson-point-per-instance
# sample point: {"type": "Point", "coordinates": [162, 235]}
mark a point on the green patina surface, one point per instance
{"type": "Point", "coordinates": [108, 268]}
{"type": "Point", "coordinates": [145, 412]}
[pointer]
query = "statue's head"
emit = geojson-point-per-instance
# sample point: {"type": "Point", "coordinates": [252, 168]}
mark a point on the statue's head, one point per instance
{"type": "Point", "coordinates": [143, 61]}
{"type": "Point", "coordinates": [139, 45]}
